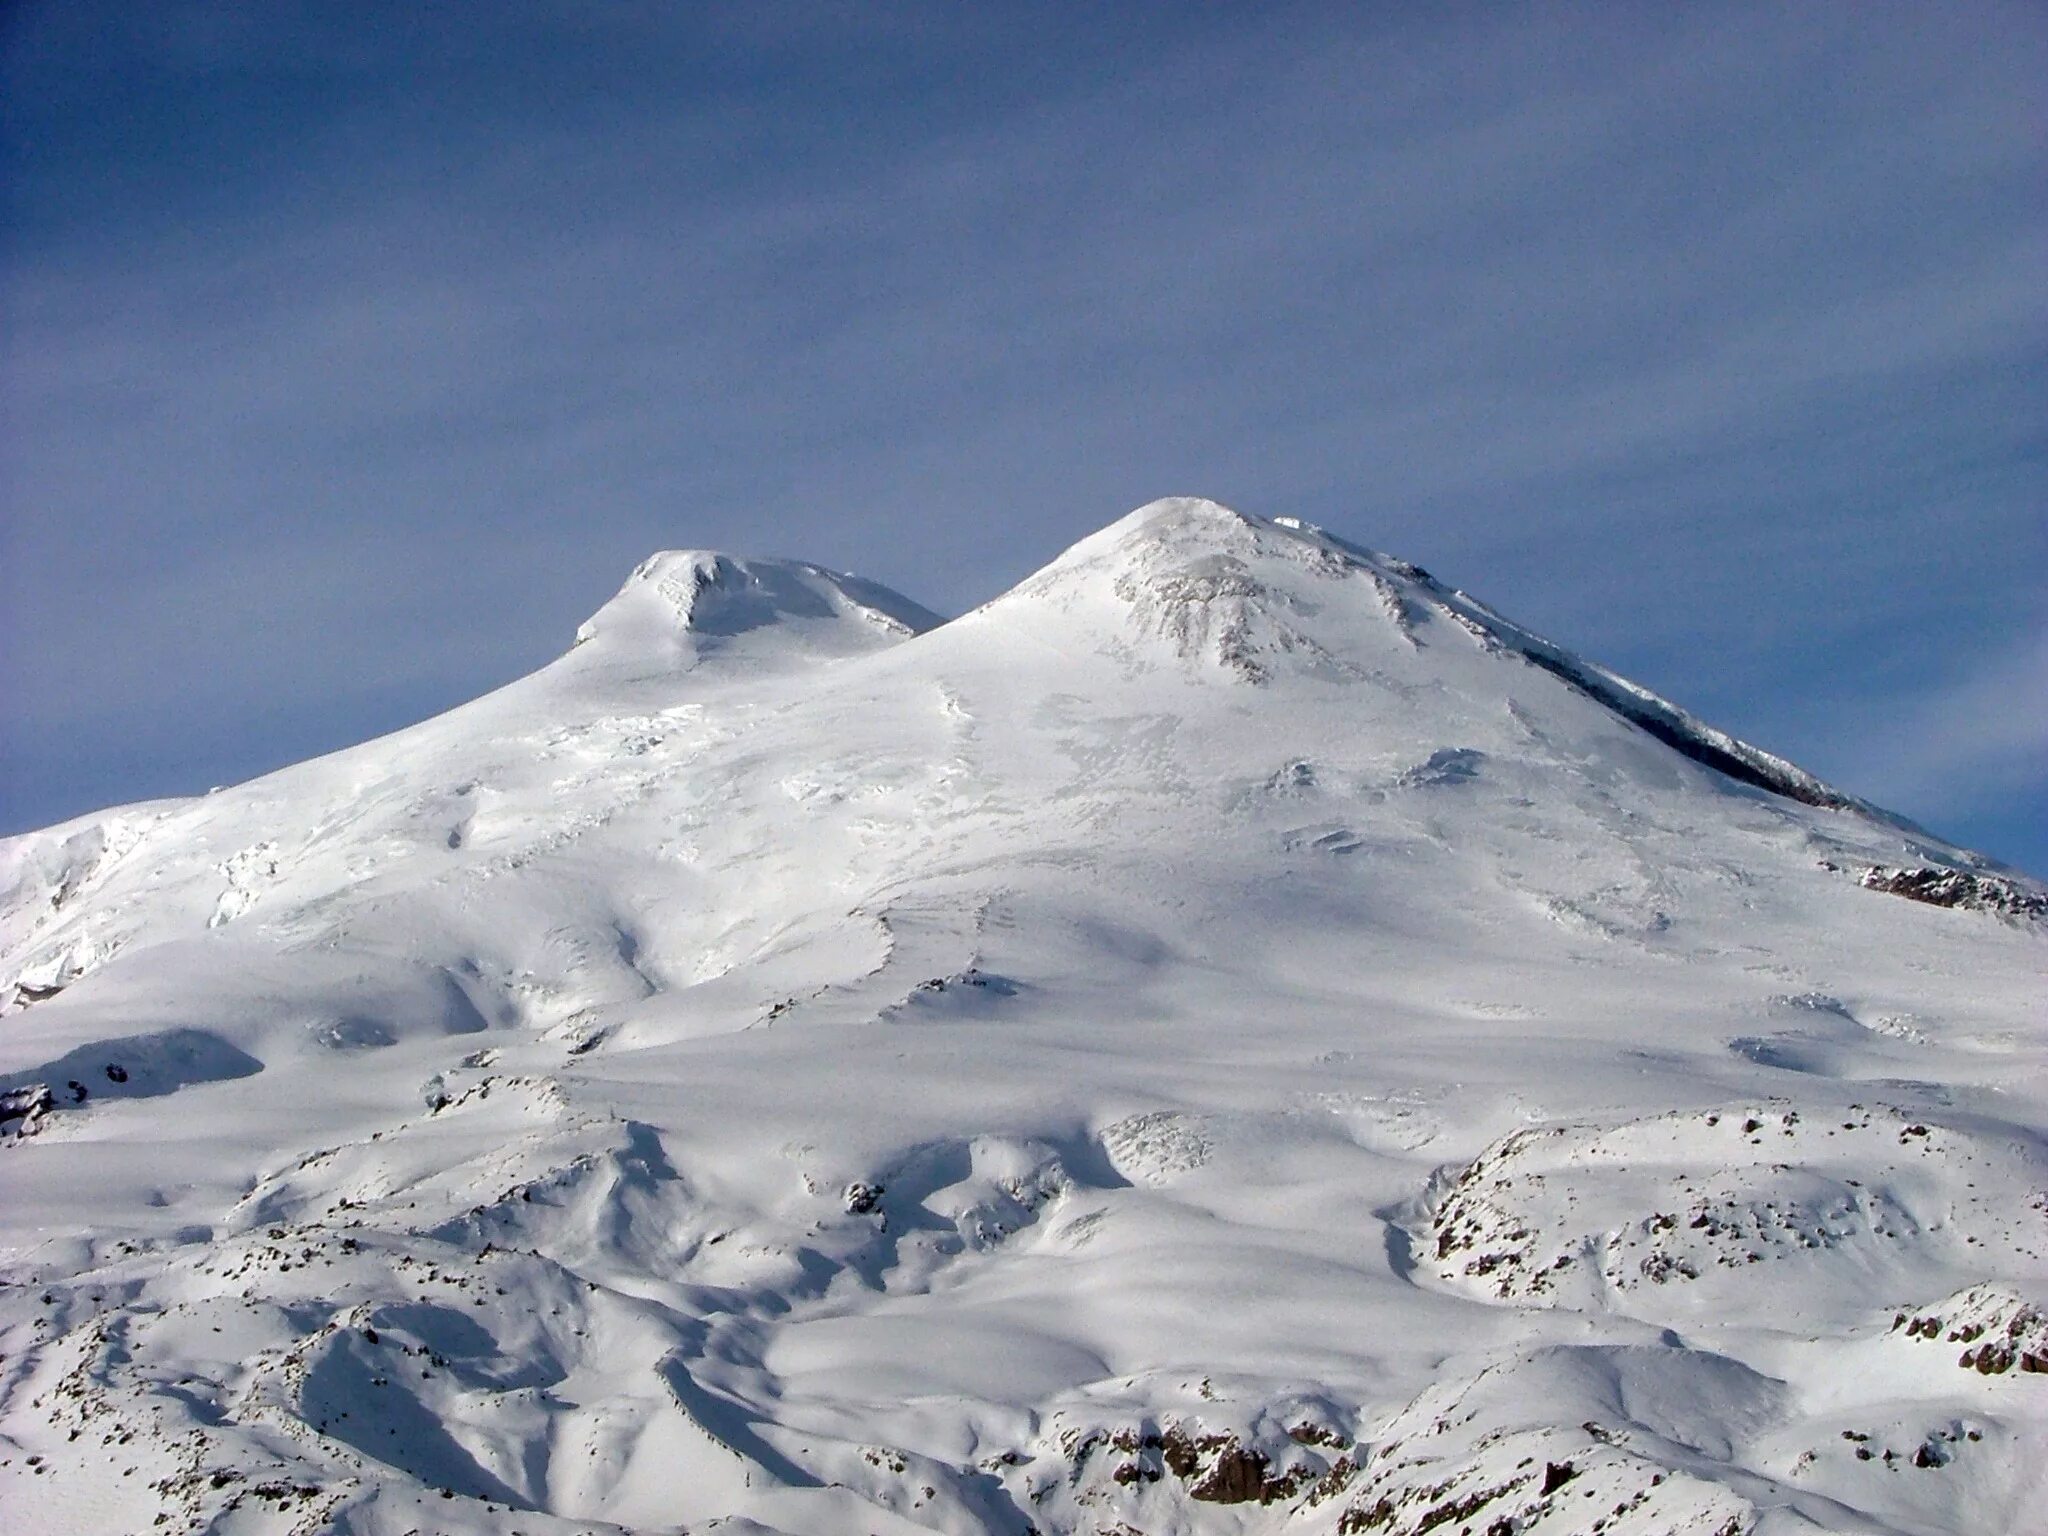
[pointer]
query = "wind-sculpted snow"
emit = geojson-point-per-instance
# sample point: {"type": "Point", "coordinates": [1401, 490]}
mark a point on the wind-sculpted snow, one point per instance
{"type": "Point", "coordinates": [683, 605]}
{"type": "Point", "coordinates": [1230, 1036]}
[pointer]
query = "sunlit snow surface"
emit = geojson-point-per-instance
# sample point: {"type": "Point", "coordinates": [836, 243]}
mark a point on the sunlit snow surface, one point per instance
{"type": "Point", "coordinates": [1231, 1036]}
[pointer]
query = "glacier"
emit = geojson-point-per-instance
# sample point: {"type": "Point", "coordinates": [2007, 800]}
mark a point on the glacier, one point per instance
{"type": "Point", "coordinates": [1232, 1035]}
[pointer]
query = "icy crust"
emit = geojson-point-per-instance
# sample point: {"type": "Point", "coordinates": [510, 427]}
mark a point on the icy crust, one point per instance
{"type": "Point", "coordinates": [48, 877]}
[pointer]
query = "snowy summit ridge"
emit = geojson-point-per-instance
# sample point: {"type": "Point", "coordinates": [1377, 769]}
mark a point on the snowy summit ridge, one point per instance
{"type": "Point", "coordinates": [1239, 588]}
{"type": "Point", "coordinates": [1232, 1035]}
{"type": "Point", "coordinates": [691, 601]}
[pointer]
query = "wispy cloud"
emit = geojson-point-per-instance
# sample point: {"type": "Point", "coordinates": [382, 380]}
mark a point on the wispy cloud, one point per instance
{"type": "Point", "coordinates": [1965, 746]}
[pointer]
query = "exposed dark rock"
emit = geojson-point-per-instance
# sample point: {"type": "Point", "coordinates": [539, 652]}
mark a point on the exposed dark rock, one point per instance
{"type": "Point", "coordinates": [1966, 890]}
{"type": "Point", "coordinates": [1991, 1360]}
{"type": "Point", "coordinates": [1372, 1518]}
{"type": "Point", "coordinates": [1465, 1508]}
{"type": "Point", "coordinates": [24, 1109]}
{"type": "Point", "coordinates": [1308, 1433]}
{"type": "Point", "coordinates": [1218, 1469]}
{"type": "Point", "coordinates": [1182, 1457]}
{"type": "Point", "coordinates": [1238, 1477]}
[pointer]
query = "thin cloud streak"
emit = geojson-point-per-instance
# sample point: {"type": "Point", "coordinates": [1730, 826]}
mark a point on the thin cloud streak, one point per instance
{"type": "Point", "coordinates": [1974, 743]}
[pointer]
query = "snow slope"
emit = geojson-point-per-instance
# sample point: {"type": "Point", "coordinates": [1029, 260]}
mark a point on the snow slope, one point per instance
{"type": "Point", "coordinates": [1232, 1035]}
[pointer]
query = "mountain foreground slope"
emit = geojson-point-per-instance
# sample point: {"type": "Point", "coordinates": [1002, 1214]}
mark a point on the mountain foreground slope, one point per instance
{"type": "Point", "coordinates": [1232, 1035]}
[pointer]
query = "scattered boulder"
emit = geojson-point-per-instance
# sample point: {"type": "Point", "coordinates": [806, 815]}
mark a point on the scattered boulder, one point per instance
{"type": "Point", "coordinates": [23, 1110]}
{"type": "Point", "coordinates": [2000, 1329]}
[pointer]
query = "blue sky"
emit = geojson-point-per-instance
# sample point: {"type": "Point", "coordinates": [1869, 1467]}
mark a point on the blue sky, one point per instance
{"type": "Point", "coordinates": [354, 352]}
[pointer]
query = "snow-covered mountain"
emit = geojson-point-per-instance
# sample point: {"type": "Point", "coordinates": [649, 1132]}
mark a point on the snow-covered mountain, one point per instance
{"type": "Point", "coordinates": [1232, 1035]}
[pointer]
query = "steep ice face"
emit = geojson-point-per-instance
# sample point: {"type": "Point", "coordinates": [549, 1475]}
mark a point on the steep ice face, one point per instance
{"type": "Point", "coordinates": [682, 605]}
{"type": "Point", "coordinates": [1231, 1036]}
{"type": "Point", "coordinates": [1244, 598]}
{"type": "Point", "coordinates": [1194, 581]}
{"type": "Point", "coordinates": [1248, 596]}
